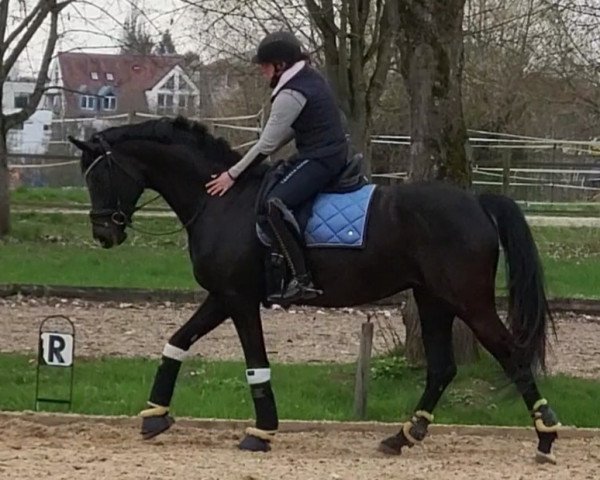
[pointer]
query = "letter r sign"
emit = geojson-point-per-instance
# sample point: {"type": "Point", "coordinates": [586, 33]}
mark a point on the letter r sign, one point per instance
{"type": "Point", "coordinates": [57, 349]}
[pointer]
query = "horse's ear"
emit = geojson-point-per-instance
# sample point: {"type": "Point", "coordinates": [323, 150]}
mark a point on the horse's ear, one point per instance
{"type": "Point", "coordinates": [81, 145]}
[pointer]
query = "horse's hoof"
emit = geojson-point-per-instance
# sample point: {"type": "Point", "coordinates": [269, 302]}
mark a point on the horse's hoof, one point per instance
{"type": "Point", "coordinates": [544, 450]}
{"type": "Point", "coordinates": [153, 426]}
{"type": "Point", "coordinates": [541, 457]}
{"type": "Point", "coordinates": [393, 445]}
{"type": "Point", "coordinates": [250, 443]}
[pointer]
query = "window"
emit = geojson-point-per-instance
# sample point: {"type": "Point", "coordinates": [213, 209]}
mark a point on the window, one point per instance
{"type": "Point", "coordinates": [46, 128]}
{"type": "Point", "coordinates": [109, 76]}
{"type": "Point", "coordinates": [21, 100]}
{"type": "Point", "coordinates": [109, 102]}
{"type": "Point", "coordinates": [183, 85]}
{"type": "Point", "coordinates": [170, 85]}
{"type": "Point", "coordinates": [94, 75]}
{"type": "Point", "coordinates": [165, 100]}
{"type": "Point", "coordinates": [87, 102]}
{"type": "Point", "coordinates": [183, 101]}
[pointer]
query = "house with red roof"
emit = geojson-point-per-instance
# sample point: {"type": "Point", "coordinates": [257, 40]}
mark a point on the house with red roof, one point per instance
{"type": "Point", "coordinates": [96, 85]}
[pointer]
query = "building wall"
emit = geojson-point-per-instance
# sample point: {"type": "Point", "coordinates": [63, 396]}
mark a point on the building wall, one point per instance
{"type": "Point", "coordinates": [33, 135]}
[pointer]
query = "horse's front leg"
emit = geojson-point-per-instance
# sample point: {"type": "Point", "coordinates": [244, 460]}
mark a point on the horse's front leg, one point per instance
{"type": "Point", "coordinates": [156, 418]}
{"type": "Point", "coordinates": [247, 321]}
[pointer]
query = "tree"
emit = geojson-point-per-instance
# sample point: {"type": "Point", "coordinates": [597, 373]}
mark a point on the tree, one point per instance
{"type": "Point", "coordinates": [13, 43]}
{"type": "Point", "coordinates": [430, 41]}
{"type": "Point", "coordinates": [166, 45]}
{"type": "Point", "coordinates": [576, 24]}
{"type": "Point", "coordinates": [135, 39]}
{"type": "Point", "coordinates": [357, 42]}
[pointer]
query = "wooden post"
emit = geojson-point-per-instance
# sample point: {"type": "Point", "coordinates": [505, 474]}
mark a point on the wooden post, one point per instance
{"type": "Point", "coordinates": [506, 172]}
{"type": "Point", "coordinates": [362, 370]}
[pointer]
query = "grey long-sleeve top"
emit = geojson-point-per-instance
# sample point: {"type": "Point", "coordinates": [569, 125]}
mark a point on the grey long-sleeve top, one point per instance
{"type": "Point", "coordinates": [277, 132]}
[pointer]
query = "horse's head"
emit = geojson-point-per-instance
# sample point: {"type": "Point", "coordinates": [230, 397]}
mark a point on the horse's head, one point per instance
{"type": "Point", "coordinates": [114, 185]}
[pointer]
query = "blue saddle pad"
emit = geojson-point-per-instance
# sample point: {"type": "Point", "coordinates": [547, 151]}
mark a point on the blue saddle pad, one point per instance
{"type": "Point", "coordinates": [339, 219]}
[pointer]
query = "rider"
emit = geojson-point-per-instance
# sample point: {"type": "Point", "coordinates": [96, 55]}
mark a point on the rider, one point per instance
{"type": "Point", "coordinates": [303, 108]}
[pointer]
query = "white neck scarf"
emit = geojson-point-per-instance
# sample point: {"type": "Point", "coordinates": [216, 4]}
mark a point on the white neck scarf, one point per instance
{"type": "Point", "coordinates": [287, 76]}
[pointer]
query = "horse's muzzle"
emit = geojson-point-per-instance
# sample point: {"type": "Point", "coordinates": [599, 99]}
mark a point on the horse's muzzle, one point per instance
{"type": "Point", "coordinates": [110, 236]}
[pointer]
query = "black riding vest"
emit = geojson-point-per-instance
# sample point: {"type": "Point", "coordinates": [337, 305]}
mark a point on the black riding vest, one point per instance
{"type": "Point", "coordinates": [319, 134]}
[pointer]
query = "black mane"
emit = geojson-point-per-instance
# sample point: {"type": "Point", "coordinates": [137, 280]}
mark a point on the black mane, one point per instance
{"type": "Point", "coordinates": [178, 130]}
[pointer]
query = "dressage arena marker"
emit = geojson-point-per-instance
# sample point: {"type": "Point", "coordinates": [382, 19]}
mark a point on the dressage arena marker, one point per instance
{"type": "Point", "coordinates": [56, 350]}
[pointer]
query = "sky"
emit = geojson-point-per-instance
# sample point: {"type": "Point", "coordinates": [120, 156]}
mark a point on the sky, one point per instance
{"type": "Point", "coordinates": [96, 26]}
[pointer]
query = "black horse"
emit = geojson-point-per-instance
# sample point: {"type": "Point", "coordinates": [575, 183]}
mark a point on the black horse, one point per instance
{"type": "Point", "coordinates": [438, 240]}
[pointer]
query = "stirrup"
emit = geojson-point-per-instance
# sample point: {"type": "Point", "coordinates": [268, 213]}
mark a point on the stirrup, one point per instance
{"type": "Point", "coordinates": [296, 290]}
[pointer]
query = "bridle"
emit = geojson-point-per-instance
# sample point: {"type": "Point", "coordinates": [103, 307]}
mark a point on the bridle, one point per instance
{"type": "Point", "coordinates": [105, 216]}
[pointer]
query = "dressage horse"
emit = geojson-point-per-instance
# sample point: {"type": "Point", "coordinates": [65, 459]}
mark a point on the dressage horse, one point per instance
{"type": "Point", "coordinates": [438, 240]}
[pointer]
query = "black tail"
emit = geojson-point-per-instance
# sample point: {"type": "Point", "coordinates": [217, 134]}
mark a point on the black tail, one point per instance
{"type": "Point", "coordinates": [528, 311]}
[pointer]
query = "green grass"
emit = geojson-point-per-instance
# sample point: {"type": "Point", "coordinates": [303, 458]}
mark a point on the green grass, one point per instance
{"type": "Point", "coordinates": [49, 196]}
{"type": "Point", "coordinates": [128, 266]}
{"type": "Point", "coordinates": [75, 230]}
{"type": "Point", "coordinates": [75, 197]}
{"type": "Point", "coordinates": [118, 386]}
{"type": "Point", "coordinates": [56, 249]}
{"type": "Point", "coordinates": [584, 209]}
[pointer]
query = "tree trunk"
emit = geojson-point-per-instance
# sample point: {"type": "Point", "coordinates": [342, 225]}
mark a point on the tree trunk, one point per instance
{"type": "Point", "coordinates": [360, 133]}
{"type": "Point", "coordinates": [4, 188]}
{"type": "Point", "coordinates": [431, 46]}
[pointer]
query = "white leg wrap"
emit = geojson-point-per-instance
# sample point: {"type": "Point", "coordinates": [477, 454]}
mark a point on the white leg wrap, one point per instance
{"type": "Point", "coordinates": [258, 375]}
{"type": "Point", "coordinates": [175, 353]}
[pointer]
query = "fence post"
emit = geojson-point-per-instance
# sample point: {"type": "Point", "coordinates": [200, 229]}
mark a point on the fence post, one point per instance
{"type": "Point", "coordinates": [552, 176]}
{"type": "Point", "coordinates": [505, 172]}
{"type": "Point", "coordinates": [362, 369]}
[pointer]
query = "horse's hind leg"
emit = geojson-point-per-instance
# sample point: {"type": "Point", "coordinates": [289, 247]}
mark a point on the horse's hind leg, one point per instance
{"type": "Point", "coordinates": [495, 337]}
{"type": "Point", "coordinates": [247, 321]}
{"type": "Point", "coordinates": [436, 324]}
{"type": "Point", "coordinates": [208, 316]}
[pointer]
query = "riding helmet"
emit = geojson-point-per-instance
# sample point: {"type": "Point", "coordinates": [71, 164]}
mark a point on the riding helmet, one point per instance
{"type": "Point", "coordinates": [278, 47]}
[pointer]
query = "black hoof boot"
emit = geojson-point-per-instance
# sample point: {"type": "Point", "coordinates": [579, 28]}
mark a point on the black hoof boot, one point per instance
{"type": "Point", "coordinates": [394, 445]}
{"type": "Point", "coordinates": [250, 443]}
{"type": "Point", "coordinates": [544, 452]}
{"type": "Point", "coordinates": [153, 426]}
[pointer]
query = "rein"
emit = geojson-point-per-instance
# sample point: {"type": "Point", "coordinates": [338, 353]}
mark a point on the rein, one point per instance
{"type": "Point", "coordinates": [118, 216]}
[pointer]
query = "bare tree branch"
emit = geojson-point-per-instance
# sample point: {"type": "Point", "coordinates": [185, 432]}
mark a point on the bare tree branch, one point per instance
{"type": "Point", "coordinates": [17, 31]}
{"type": "Point", "coordinates": [32, 28]}
{"type": "Point", "coordinates": [27, 111]}
{"type": "Point", "coordinates": [324, 17]}
{"type": "Point", "coordinates": [3, 23]}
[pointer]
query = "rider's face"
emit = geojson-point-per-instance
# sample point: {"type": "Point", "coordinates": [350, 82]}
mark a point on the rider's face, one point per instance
{"type": "Point", "coordinates": [268, 70]}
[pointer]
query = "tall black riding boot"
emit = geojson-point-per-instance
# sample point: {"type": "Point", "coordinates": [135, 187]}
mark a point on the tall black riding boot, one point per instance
{"type": "Point", "coordinates": [300, 286]}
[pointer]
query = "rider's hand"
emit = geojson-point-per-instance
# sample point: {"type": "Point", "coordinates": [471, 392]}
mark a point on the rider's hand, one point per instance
{"type": "Point", "coordinates": [220, 184]}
